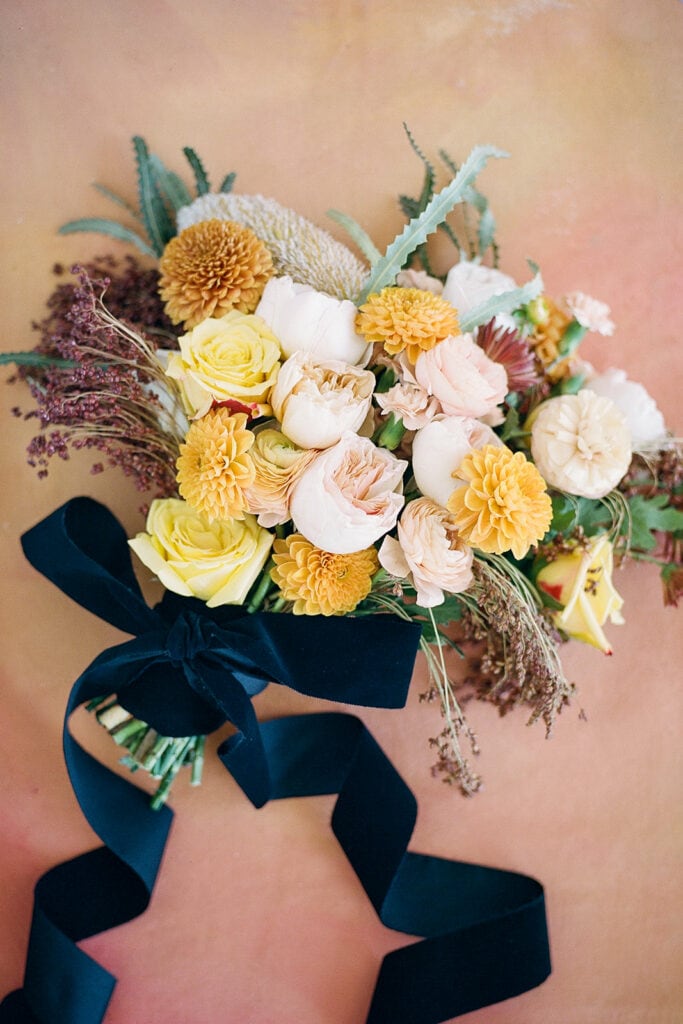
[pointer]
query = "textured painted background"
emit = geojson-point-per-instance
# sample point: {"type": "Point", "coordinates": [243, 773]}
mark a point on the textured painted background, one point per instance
{"type": "Point", "coordinates": [257, 917]}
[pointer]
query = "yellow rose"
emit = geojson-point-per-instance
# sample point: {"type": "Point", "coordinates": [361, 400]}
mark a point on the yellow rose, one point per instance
{"type": "Point", "coordinates": [236, 357]}
{"type": "Point", "coordinates": [216, 562]}
{"type": "Point", "coordinates": [581, 581]}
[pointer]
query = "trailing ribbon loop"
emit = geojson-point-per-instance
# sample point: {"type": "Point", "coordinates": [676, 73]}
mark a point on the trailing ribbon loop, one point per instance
{"type": "Point", "coordinates": [186, 671]}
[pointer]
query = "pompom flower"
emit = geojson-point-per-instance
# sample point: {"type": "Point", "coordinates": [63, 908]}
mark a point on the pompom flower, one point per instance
{"type": "Point", "coordinates": [319, 582]}
{"type": "Point", "coordinates": [214, 465]}
{"type": "Point", "coordinates": [505, 505]}
{"type": "Point", "coordinates": [407, 319]}
{"type": "Point", "coordinates": [211, 268]}
{"type": "Point", "coordinates": [581, 443]}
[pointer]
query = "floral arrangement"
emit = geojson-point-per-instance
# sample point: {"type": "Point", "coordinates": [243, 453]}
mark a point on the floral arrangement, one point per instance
{"type": "Point", "coordinates": [323, 433]}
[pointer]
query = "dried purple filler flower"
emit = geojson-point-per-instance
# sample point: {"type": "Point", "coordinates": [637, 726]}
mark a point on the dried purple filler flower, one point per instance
{"type": "Point", "coordinates": [105, 394]}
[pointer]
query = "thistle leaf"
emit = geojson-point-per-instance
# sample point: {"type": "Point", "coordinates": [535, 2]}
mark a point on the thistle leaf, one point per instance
{"type": "Point", "coordinates": [119, 200]}
{"type": "Point", "coordinates": [417, 231]}
{"type": "Point", "coordinates": [504, 303]}
{"type": "Point", "coordinates": [102, 226]}
{"type": "Point", "coordinates": [154, 214]}
{"type": "Point", "coordinates": [172, 188]}
{"type": "Point", "coordinates": [357, 234]}
{"type": "Point", "coordinates": [227, 182]}
{"type": "Point", "coordinates": [649, 515]}
{"type": "Point", "coordinates": [200, 175]}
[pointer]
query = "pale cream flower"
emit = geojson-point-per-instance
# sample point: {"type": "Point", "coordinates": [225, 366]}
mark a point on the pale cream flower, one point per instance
{"type": "Point", "coordinates": [316, 401]}
{"type": "Point", "coordinates": [305, 320]}
{"type": "Point", "coordinates": [216, 562]}
{"type": "Point", "coordinates": [349, 496]}
{"type": "Point", "coordinates": [463, 378]}
{"type": "Point", "coordinates": [590, 313]}
{"type": "Point", "coordinates": [468, 284]}
{"type": "Point", "coordinates": [428, 552]}
{"type": "Point", "coordinates": [236, 357]}
{"type": "Point", "coordinates": [581, 443]}
{"type": "Point", "coordinates": [278, 464]}
{"type": "Point", "coordinates": [410, 403]}
{"type": "Point", "coordinates": [644, 419]}
{"type": "Point", "coordinates": [419, 279]}
{"type": "Point", "coordinates": [440, 447]}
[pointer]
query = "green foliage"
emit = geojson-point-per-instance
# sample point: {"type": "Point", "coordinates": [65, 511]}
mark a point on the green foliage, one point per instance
{"type": "Point", "coordinates": [442, 615]}
{"type": "Point", "coordinates": [507, 302]}
{"type": "Point", "coordinates": [156, 219]}
{"type": "Point", "coordinates": [172, 188]}
{"type": "Point", "coordinates": [511, 427]}
{"type": "Point", "coordinates": [200, 175]}
{"type": "Point", "coordinates": [227, 182]}
{"type": "Point", "coordinates": [119, 200]}
{"type": "Point", "coordinates": [357, 234]}
{"type": "Point", "coordinates": [417, 231]}
{"type": "Point", "coordinates": [650, 515]}
{"type": "Point", "coordinates": [103, 226]}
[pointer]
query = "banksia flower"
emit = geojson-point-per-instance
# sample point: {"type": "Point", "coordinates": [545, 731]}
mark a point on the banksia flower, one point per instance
{"type": "Point", "coordinates": [407, 319]}
{"type": "Point", "coordinates": [504, 505]}
{"type": "Point", "coordinates": [214, 466]}
{"type": "Point", "coordinates": [211, 268]}
{"type": "Point", "coordinates": [319, 582]}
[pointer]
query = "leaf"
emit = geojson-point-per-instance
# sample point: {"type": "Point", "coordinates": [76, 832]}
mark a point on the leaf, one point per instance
{"type": "Point", "coordinates": [154, 213]}
{"type": "Point", "coordinates": [119, 200]}
{"type": "Point", "coordinates": [417, 231]}
{"type": "Point", "coordinates": [358, 234]}
{"type": "Point", "coordinates": [102, 226]}
{"type": "Point", "coordinates": [511, 427]}
{"type": "Point", "coordinates": [227, 182]}
{"type": "Point", "coordinates": [170, 185]}
{"type": "Point", "coordinates": [36, 359]}
{"type": "Point", "coordinates": [429, 178]}
{"type": "Point", "coordinates": [565, 514]}
{"type": "Point", "coordinates": [200, 176]}
{"type": "Point", "coordinates": [649, 515]}
{"type": "Point", "coordinates": [507, 302]}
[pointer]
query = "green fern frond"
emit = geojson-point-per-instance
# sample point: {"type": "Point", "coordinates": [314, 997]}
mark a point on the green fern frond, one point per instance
{"type": "Point", "coordinates": [103, 226]}
{"type": "Point", "coordinates": [417, 231]}
{"type": "Point", "coordinates": [154, 213]}
{"type": "Point", "coordinates": [200, 175]}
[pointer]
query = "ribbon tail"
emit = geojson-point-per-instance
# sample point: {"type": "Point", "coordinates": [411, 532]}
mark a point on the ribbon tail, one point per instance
{"type": "Point", "coordinates": [484, 930]}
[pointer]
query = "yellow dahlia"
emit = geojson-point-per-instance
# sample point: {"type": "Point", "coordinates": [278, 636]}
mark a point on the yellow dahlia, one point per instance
{"type": "Point", "coordinates": [504, 505]}
{"type": "Point", "coordinates": [406, 318]}
{"type": "Point", "coordinates": [214, 466]}
{"type": "Point", "coordinates": [550, 323]}
{"type": "Point", "coordinates": [211, 268]}
{"type": "Point", "coordinates": [319, 582]}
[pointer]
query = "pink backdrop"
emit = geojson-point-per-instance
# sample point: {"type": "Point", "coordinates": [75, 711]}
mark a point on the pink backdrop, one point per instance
{"type": "Point", "coordinates": [257, 917]}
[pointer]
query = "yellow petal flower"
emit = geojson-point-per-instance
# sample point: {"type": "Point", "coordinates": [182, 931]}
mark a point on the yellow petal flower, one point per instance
{"type": "Point", "coordinates": [581, 580]}
{"type": "Point", "coordinates": [319, 582]}
{"type": "Point", "coordinates": [214, 466]}
{"type": "Point", "coordinates": [406, 318]}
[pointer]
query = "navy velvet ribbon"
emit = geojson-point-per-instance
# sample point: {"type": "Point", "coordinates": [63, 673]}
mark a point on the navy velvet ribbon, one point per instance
{"type": "Point", "coordinates": [188, 670]}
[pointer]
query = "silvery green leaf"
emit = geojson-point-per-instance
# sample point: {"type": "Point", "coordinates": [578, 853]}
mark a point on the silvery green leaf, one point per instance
{"type": "Point", "coordinates": [200, 175]}
{"type": "Point", "coordinates": [417, 231]}
{"type": "Point", "coordinates": [119, 200]}
{"type": "Point", "coordinates": [171, 186]}
{"type": "Point", "coordinates": [154, 214]}
{"type": "Point", "coordinates": [358, 234]}
{"type": "Point", "coordinates": [102, 226]}
{"type": "Point", "coordinates": [506, 302]}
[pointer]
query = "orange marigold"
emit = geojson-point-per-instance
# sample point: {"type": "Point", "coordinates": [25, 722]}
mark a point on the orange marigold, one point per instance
{"type": "Point", "coordinates": [319, 582]}
{"type": "Point", "coordinates": [214, 466]}
{"type": "Point", "coordinates": [211, 268]}
{"type": "Point", "coordinates": [406, 318]}
{"type": "Point", "coordinates": [505, 505]}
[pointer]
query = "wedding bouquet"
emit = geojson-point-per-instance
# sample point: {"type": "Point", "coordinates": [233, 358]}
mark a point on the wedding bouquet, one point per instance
{"type": "Point", "coordinates": [330, 434]}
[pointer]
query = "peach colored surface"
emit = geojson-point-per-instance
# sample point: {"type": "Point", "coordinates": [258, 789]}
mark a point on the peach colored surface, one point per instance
{"type": "Point", "coordinates": [257, 917]}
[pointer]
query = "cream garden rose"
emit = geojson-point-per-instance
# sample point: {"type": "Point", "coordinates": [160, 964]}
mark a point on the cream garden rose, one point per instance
{"type": "Point", "coordinates": [581, 581]}
{"type": "Point", "coordinates": [278, 463]}
{"type": "Point", "coordinates": [317, 401]}
{"type": "Point", "coordinates": [463, 378]}
{"type": "Point", "coordinates": [349, 496]}
{"type": "Point", "coordinates": [217, 562]}
{"type": "Point", "coordinates": [581, 443]}
{"type": "Point", "coordinates": [440, 447]}
{"type": "Point", "coordinates": [643, 418]}
{"type": "Point", "coordinates": [468, 284]}
{"type": "Point", "coordinates": [235, 357]}
{"type": "Point", "coordinates": [428, 552]}
{"type": "Point", "coordinates": [306, 320]}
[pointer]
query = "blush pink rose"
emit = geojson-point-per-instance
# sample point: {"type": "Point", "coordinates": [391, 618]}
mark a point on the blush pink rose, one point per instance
{"type": "Point", "coordinates": [349, 496]}
{"type": "Point", "coordinates": [428, 552]}
{"type": "Point", "coordinates": [462, 377]}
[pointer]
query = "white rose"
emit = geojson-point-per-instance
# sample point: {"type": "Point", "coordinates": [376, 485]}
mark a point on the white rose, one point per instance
{"type": "Point", "coordinates": [644, 419]}
{"type": "Point", "coordinates": [440, 447]}
{"type": "Point", "coordinates": [349, 496]}
{"type": "Point", "coordinates": [305, 320]}
{"type": "Point", "coordinates": [316, 402]}
{"type": "Point", "coordinates": [581, 443]}
{"type": "Point", "coordinates": [469, 284]}
{"type": "Point", "coordinates": [429, 552]}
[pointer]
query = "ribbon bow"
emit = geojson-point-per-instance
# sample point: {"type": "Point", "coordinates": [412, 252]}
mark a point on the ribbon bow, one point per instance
{"type": "Point", "coordinates": [187, 670]}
